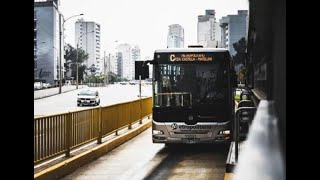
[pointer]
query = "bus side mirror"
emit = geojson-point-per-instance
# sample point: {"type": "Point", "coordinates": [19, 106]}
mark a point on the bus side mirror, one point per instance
{"type": "Point", "coordinates": [141, 69]}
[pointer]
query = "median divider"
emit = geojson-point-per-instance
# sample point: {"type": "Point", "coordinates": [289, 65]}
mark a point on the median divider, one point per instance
{"type": "Point", "coordinates": [63, 168]}
{"type": "Point", "coordinates": [44, 93]}
{"type": "Point", "coordinates": [59, 135]}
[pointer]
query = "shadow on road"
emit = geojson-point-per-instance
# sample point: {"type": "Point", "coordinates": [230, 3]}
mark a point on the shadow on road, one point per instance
{"type": "Point", "coordinates": [208, 156]}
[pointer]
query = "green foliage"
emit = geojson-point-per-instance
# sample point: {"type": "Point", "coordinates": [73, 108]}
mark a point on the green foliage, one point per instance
{"type": "Point", "coordinates": [240, 47]}
{"type": "Point", "coordinates": [242, 74]}
{"type": "Point", "coordinates": [74, 56]}
{"type": "Point", "coordinates": [94, 79]}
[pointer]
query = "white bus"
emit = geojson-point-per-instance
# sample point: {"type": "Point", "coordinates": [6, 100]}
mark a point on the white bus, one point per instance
{"type": "Point", "coordinates": [193, 99]}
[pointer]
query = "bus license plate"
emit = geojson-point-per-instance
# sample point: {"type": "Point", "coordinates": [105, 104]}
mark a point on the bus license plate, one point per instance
{"type": "Point", "coordinates": [190, 140]}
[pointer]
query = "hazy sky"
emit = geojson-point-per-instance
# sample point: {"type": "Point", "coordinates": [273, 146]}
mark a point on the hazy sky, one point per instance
{"type": "Point", "coordinates": [143, 22]}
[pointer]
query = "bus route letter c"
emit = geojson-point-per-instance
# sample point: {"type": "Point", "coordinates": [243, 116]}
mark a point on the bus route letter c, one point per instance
{"type": "Point", "coordinates": [172, 57]}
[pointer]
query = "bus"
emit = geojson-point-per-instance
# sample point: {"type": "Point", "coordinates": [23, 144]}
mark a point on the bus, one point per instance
{"type": "Point", "coordinates": [193, 97]}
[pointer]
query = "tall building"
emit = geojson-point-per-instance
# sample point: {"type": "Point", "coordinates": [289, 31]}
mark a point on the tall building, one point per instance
{"type": "Point", "coordinates": [234, 27]}
{"type": "Point", "coordinates": [126, 57]}
{"type": "Point", "coordinates": [135, 56]}
{"type": "Point", "coordinates": [126, 64]}
{"type": "Point", "coordinates": [113, 64]}
{"type": "Point", "coordinates": [119, 64]}
{"type": "Point", "coordinates": [175, 38]}
{"type": "Point", "coordinates": [208, 30]}
{"type": "Point", "coordinates": [47, 41]}
{"type": "Point", "coordinates": [217, 35]}
{"type": "Point", "coordinates": [87, 36]}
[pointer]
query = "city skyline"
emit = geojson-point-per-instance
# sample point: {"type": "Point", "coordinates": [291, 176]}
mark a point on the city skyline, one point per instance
{"type": "Point", "coordinates": [141, 22]}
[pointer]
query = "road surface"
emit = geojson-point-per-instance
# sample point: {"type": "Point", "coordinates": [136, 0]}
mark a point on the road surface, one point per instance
{"type": "Point", "coordinates": [66, 102]}
{"type": "Point", "coordinates": [140, 159]}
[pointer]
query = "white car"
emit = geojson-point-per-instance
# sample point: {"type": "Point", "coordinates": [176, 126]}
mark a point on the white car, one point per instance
{"type": "Point", "coordinates": [88, 97]}
{"type": "Point", "coordinates": [46, 85]}
{"type": "Point", "coordinates": [37, 85]}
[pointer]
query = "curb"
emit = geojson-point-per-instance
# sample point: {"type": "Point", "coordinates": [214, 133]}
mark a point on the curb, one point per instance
{"type": "Point", "coordinates": [66, 167]}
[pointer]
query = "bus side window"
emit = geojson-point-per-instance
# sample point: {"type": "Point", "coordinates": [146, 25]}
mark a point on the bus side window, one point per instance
{"type": "Point", "coordinates": [225, 79]}
{"type": "Point", "coordinates": [157, 73]}
{"type": "Point", "coordinates": [233, 75]}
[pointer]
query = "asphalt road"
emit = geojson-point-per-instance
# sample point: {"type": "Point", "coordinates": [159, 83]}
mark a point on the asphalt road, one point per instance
{"type": "Point", "coordinates": [140, 159]}
{"type": "Point", "coordinates": [66, 102]}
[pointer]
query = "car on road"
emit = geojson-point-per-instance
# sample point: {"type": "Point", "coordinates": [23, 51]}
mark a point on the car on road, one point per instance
{"type": "Point", "coordinates": [46, 85]}
{"type": "Point", "coordinates": [123, 83]}
{"type": "Point", "coordinates": [37, 85]}
{"type": "Point", "coordinates": [88, 97]}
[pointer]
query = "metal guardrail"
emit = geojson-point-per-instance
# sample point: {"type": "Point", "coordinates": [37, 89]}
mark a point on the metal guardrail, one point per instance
{"type": "Point", "coordinates": [263, 157]}
{"type": "Point", "coordinates": [245, 103]}
{"type": "Point", "coordinates": [60, 133]}
{"type": "Point", "coordinates": [237, 126]}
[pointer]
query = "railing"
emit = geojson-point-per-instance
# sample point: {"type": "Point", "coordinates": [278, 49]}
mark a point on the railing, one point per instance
{"type": "Point", "coordinates": [240, 110]}
{"type": "Point", "coordinates": [58, 134]}
{"type": "Point", "coordinates": [262, 157]}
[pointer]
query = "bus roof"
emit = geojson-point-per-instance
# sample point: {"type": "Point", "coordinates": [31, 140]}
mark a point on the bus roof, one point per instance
{"type": "Point", "coordinates": [173, 50]}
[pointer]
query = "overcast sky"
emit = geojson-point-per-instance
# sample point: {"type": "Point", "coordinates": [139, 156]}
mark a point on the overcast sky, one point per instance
{"type": "Point", "coordinates": [143, 22]}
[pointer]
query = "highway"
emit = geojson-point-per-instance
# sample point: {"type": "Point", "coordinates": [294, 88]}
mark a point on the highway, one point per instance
{"type": "Point", "coordinates": [109, 95]}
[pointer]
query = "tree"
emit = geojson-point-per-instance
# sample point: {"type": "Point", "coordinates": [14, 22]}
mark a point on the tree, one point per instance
{"type": "Point", "coordinates": [242, 74]}
{"type": "Point", "coordinates": [92, 69]}
{"type": "Point", "coordinates": [239, 58]}
{"type": "Point", "coordinates": [240, 47]}
{"type": "Point", "coordinates": [72, 60]}
{"type": "Point", "coordinates": [113, 77]}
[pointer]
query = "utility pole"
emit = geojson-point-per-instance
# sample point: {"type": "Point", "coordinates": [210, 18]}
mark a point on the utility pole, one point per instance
{"type": "Point", "coordinates": [104, 68]}
{"type": "Point", "coordinates": [60, 59]}
{"type": "Point", "coordinates": [108, 69]}
{"type": "Point", "coordinates": [140, 122]}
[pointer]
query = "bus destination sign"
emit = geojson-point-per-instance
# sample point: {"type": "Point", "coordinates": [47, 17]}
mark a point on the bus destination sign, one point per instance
{"type": "Point", "coordinates": [190, 57]}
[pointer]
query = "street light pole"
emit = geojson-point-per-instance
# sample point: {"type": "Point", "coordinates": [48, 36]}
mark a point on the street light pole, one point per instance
{"type": "Point", "coordinates": [77, 66]}
{"type": "Point", "coordinates": [60, 59]}
{"type": "Point", "coordinates": [108, 70]}
{"type": "Point", "coordinates": [60, 56]}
